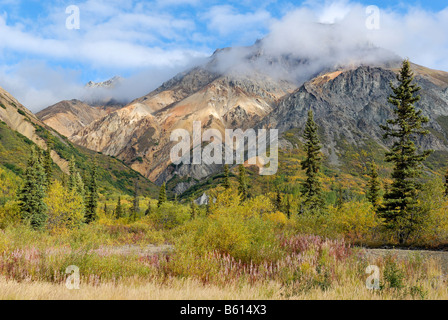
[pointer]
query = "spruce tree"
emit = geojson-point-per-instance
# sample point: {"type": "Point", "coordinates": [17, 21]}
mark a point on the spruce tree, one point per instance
{"type": "Point", "coordinates": [374, 189]}
{"type": "Point", "coordinates": [339, 197]}
{"type": "Point", "coordinates": [148, 210]}
{"type": "Point", "coordinates": [31, 197]}
{"type": "Point", "coordinates": [278, 200]}
{"type": "Point", "coordinates": [162, 196]}
{"type": "Point", "coordinates": [48, 164]}
{"type": "Point", "coordinates": [446, 184]}
{"type": "Point", "coordinates": [312, 188]}
{"type": "Point", "coordinates": [400, 209]}
{"type": "Point", "coordinates": [136, 202]}
{"type": "Point", "coordinates": [226, 183]}
{"type": "Point", "coordinates": [79, 185]}
{"type": "Point", "coordinates": [288, 207]}
{"type": "Point", "coordinates": [72, 174]}
{"type": "Point", "coordinates": [194, 209]}
{"type": "Point", "coordinates": [119, 213]}
{"type": "Point", "coordinates": [242, 180]}
{"type": "Point", "coordinates": [91, 189]}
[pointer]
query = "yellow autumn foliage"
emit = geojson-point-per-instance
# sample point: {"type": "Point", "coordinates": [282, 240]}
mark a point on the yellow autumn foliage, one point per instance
{"type": "Point", "coordinates": [277, 218]}
{"type": "Point", "coordinates": [65, 208]}
{"type": "Point", "coordinates": [355, 220]}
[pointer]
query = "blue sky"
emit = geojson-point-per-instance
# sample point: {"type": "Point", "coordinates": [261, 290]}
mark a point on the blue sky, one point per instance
{"type": "Point", "coordinates": [43, 62]}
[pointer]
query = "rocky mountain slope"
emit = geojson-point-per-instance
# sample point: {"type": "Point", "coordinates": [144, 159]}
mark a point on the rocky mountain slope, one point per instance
{"type": "Point", "coordinates": [350, 105]}
{"type": "Point", "coordinates": [139, 134]}
{"type": "Point", "coordinates": [247, 88]}
{"type": "Point", "coordinates": [69, 117]}
{"type": "Point", "coordinates": [20, 129]}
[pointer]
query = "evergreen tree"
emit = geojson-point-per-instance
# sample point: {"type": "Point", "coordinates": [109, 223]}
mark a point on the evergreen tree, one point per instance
{"type": "Point", "coordinates": [48, 164]}
{"type": "Point", "coordinates": [288, 207]}
{"type": "Point", "coordinates": [106, 210]}
{"type": "Point", "coordinates": [374, 188]}
{"type": "Point", "coordinates": [312, 188]}
{"type": "Point", "coordinates": [339, 196]}
{"type": "Point", "coordinates": [446, 184]}
{"type": "Point", "coordinates": [136, 202]}
{"type": "Point", "coordinates": [119, 212]}
{"type": "Point", "coordinates": [400, 211]}
{"type": "Point", "coordinates": [72, 174]}
{"type": "Point", "coordinates": [162, 196]}
{"type": "Point", "coordinates": [278, 200]}
{"type": "Point", "coordinates": [31, 197]}
{"type": "Point", "coordinates": [226, 183]}
{"type": "Point", "coordinates": [242, 180]}
{"type": "Point", "coordinates": [91, 189]}
{"type": "Point", "coordinates": [79, 185]}
{"type": "Point", "coordinates": [148, 210]}
{"type": "Point", "coordinates": [194, 209]}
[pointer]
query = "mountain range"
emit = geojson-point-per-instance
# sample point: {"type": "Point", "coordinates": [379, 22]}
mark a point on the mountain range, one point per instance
{"type": "Point", "coordinates": [247, 88]}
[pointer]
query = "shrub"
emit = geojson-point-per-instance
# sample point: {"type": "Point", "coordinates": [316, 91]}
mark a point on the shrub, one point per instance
{"type": "Point", "coordinates": [9, 214]}
{"type": "Point", "coordinates": [65, 208]}
{"type": "Point", "coordinates": [170, 215]}
{"type": "Point", "coordinates": [393, 275]}
{"type": "Point", "coordinates": [355, 220]}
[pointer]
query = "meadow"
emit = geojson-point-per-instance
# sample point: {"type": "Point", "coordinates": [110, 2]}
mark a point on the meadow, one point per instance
{"type": "Point", "coordinates": [230, 249]}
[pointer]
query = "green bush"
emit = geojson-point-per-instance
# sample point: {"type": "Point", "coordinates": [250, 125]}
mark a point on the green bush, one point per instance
{"type": "Point", "coordinates": [170, 215]}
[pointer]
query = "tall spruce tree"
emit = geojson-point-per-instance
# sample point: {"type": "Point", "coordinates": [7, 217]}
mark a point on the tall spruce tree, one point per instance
{"type": "Point", "coordinates": [91, 190]}
{"type": "Point", "coordinates": [399, 210]}
{"type": "Point", "coordinates": [226, 183]}
{"type": "Point", "coordinates": [446, 184]}
{"type": "Point", "coordinates": [48, 164]}
{"type": "Point", "coordinates": [31, 196]}
{"type": "Point", "coordinates": [119, 212]}
{"type": "Point", "coordinates": [72, 174]}
{"type": "Point", "coordinates": [242, 181]}
{"type": "Point", "coordinates": [194, 209]}
{"type": "Point", "coordinates": [278, 200]}
{"type": "Point", "coordinates": [374, 188]}
{"type": "Point", "coordinates": [162, 196]}
{"type": "Point", "coordinates": [312, 188]}
{"type": "Point", "coordinates": [136, 201]}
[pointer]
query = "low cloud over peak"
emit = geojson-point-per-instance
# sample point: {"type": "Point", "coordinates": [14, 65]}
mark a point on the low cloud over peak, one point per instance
{"type": "Point", "coordinates": [148, 42]}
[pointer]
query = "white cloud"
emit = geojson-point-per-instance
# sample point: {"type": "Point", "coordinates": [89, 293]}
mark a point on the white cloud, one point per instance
{"type": "Point", "coordinates": [150, 41]}
{"type": "Point", "coordinates": [226, 20]}
{"type": "Point", "coordinates": [418, 34]}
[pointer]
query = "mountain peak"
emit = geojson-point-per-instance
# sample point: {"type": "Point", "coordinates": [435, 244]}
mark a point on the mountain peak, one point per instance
{"type": "Point", "coordinates": [111, 83]}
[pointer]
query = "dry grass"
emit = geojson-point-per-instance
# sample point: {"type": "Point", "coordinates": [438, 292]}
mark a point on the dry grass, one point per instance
{"type": "Point", "coordinates": [351, 289]}
{"type": "Point", "coordinates": [175, 290]}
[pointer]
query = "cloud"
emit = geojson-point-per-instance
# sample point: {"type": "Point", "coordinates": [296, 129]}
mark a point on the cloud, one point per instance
{"type": "Point", "coordinates": [37, 85]}
{"type": "Point", "coordinates": [225, 20]}
{"type": "Point", "coordinates": [336, 30]}
{"type": "Point", "coordinates": [149, 41]}
{"type": "Point", "coordinates": [121, 41]}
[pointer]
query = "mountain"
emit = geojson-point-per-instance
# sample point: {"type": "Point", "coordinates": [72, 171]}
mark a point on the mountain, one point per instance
{"type": "Point", "coordinates": [350, 105]}
{"type": "Point", "coordinates": [20, 130]}
{"type": "Point", "coordinates": [250, 88]}
{"type": "Point", "coordinates": [139, 133]}
{"type": "Point", "coordinates": [111, 83]}
{"type": "Point", "coordinates": [69, 117]}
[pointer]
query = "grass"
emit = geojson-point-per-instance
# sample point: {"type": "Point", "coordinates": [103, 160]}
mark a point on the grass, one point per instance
{"type": "Point", "coordinates": [351, 288]}
{"type": "Point", "coordinates": [33, 264]}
